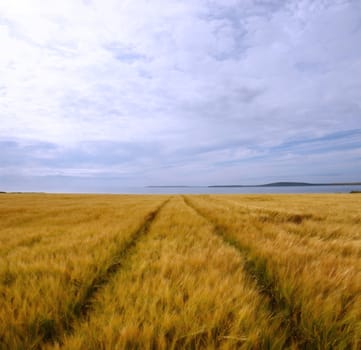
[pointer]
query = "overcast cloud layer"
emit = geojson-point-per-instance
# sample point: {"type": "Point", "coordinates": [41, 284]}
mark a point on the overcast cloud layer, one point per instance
{"type": "Point", "coordinates": [108, 93]}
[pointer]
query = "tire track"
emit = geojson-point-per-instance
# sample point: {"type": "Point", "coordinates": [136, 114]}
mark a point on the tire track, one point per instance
{"type": "Point", "coordinates": [276, 216]}
{"type": "Point", "coordinates": [257, 270]}
{"type": "Point", "coordinates": [81, 309]}
{"type": "Point", "coordinates": [281, 218]}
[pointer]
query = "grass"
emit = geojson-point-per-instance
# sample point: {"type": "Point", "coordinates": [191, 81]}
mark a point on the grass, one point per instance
{"type": "Point", "coordinates": [170, 272]}
{"type": "Point", "coordinates": [55, 250]}
{"type": "Point", "coordinates": [307, 259]}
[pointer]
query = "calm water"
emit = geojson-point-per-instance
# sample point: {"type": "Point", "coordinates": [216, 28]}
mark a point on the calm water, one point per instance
{"type": "Point", "coordinates": [240, 190]}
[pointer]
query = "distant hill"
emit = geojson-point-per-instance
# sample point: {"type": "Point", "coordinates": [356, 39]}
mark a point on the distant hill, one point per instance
{"type": "Point", "coordinates": [281, 184]}
{"type": "Point", "coordinates": [293, 184]}
{"type": "Point", "coordinates": [273, 184]}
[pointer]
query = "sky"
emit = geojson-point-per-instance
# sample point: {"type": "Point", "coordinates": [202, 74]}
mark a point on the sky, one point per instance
{"type": "Point", "coordinates": [96, 95]}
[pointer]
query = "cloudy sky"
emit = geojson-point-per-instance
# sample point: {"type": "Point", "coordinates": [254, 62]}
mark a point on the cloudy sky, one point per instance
{"type": "Point", "coordinates": [100, 94]}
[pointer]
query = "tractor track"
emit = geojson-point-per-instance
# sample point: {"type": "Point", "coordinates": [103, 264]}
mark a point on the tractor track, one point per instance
{"type": "Point", "coordinates": [81, 309]}
{"type": "Point", "coordinates": [257, 271]}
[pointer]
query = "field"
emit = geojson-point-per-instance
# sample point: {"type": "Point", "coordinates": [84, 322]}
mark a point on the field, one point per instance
{"type": "Point", "coordinates": [173, 272]}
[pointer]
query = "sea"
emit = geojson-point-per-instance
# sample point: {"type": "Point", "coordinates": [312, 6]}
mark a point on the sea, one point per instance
{"type": "Point", "coordinates": [239, 190]}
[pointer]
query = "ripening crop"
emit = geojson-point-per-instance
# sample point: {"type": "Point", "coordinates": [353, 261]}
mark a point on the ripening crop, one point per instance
{"type": "Point", "coordinates": [175, 272]}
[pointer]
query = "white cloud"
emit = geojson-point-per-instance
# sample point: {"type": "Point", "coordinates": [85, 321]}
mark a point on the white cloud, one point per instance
{"type": "Point", "coordinates": [179, 74]}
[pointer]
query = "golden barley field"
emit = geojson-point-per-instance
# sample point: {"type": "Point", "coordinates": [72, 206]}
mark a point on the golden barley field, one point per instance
{"type": "Point", "coordinates": [180, 271]}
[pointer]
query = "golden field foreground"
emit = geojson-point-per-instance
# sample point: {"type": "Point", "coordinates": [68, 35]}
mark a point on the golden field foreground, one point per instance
{"type": "Point", "coordinates": [174, 272]}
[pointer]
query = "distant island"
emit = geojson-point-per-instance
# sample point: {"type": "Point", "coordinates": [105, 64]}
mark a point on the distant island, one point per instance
{"type": "Point", "coordinates": [272, 184]}
{"type": "Point", "coordinates": [293, 184]}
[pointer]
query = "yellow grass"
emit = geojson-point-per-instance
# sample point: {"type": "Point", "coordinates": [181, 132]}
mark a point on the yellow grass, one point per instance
{"type": "Point", "coordinates": [163, 272]}
{"type": "Point", "coordinates": [54, 251]}
{"type": "Point", "coordinates": [306, 252]}
{"type": "Point", "coordinates": [182, 287]}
